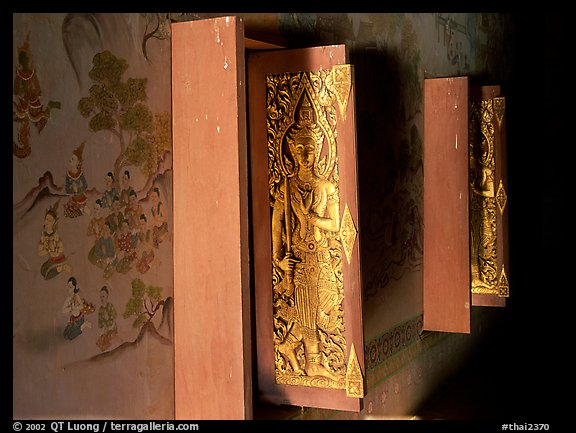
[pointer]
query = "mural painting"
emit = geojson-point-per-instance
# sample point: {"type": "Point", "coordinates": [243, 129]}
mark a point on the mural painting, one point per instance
{"type": "Point", "coordinates": [92, 198]}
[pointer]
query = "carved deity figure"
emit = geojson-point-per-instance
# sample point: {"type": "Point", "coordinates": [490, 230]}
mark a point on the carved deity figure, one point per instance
{"type": "Point", "coordinates": [307, 258]}
{"type": "Point", "coordinates": [483, 234]}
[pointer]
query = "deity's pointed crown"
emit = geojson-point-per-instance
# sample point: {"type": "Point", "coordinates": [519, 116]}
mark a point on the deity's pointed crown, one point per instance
{"type": "Point", "coordinates": [78, 151]}
{"type": "Point", "coordinates": [53, 210]}
{"type": "Point", "coordinates": [305, 127]}
{"type": "Point", "coordinates": [25, 47]}
{"type": "Point", "coordinates": [24, 54]}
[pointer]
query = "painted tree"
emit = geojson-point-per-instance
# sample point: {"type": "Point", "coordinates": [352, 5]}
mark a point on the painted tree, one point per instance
{"type": "Point", "coordinates": [144, 303]}
{"type": "Point", "coordinates": [119, 106]}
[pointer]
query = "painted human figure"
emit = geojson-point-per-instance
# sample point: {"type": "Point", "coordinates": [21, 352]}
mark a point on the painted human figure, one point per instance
{"type": "Point", "coordinates": [110, 192]}
{"type": "Point", "coordinates": [126, 189]}
{"type": "Point", "coordinates": [158, 218]}
{"type": "Point", "coordinates": [76, 308]}
{"type": "Point", "coordinates": [144, 247]}
{"type": "Point", "coordinates": [51, 245]}
{"type": "Point", "coordinates": [132, 212]}
{"type": "Point", "coordinates": [103, 252]}
{"type": "Point", "coordinates": [106, 320]}
{"type": "Point", "coordinates": [76, 185]}
{"type": "Point", "coordinates": [27, 108]}
{"type": "Point", "coordinates": [310, 282]}
{"type": "Point", "coordinates": [115, 218]}
{"type": "Point", "coordinates": [125, 248]}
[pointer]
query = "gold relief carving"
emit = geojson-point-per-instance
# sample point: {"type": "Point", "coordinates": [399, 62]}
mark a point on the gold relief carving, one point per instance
{"type": "Point", "coordinates": [354, 379]}
{"type": "Point", "coordinates": [308, 288]}
{"type": "Point", "coordinates": [499, 109]}
{"type": "Point", "coordinates": [501, 197]}
{"type": "Point", "coordinates": [483, 200]}
{"type": "Point", "coordinates": [342, 82]}
{"type": "Point", "coordinates": [503, 289]}
{"type": "Point", "coordinates": [348, 233]}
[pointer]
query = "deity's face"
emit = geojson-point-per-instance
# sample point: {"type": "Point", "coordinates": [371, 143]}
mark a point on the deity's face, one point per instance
{"type": "Point", "coordinates": [97, 208]}
{"type": "Point", "coordinates": [71, 287]}
{"type": "Point", "coordinates": [24, 61]}
{"type": "Point", "coordinates": [73, 162]}
{"type": "Point", "coordinates": [108, 180]}
{"type": "Point", "coordinates": [304, 152]}
{"type": "Point", "coordinates": [49, 221]}
{"type": "Point", "coordinates": [103, 297]}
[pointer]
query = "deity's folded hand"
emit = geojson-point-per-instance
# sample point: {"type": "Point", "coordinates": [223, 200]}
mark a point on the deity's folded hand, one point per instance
{"type": "Point", "coordinates": [287, 263]}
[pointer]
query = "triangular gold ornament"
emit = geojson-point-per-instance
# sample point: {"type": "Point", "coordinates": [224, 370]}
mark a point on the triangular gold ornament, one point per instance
{"type": "Point", "coordinates": [503, 288]}
{"type": "Point", "coordinates": [342, 82]}
{"type": "Point", "coordinates": [354, 379]}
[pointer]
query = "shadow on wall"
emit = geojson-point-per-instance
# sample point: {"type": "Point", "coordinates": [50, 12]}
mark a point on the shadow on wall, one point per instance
{"type": "Point", "coordinates": [390, 167]}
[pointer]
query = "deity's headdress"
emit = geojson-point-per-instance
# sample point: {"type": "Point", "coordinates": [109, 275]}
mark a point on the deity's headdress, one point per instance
{"type": "Point", "coordinates": [78, 151]}
{"type": "Point", "coordinates": [24, 49]}
{"type": "Point", "coordinates": [53, 211]}
{"type": "Point", "coordinates": [305, 127]}
{"type": "Point", "coordinates": [308, 120]}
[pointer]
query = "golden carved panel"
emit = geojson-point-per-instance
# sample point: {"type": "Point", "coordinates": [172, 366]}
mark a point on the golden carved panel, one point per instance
{"type": "Point", "coordinates": [484, 198]}
{"type": "Point", "coordinates": [307, 238]}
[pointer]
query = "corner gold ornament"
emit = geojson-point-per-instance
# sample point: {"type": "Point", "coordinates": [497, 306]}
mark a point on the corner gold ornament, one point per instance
{"type": "Point", "coordinates": [354, 379]}
{"type": "Point", "coordinates": [499, 109]}
{"type": "Point", "coordinates": [503, 288]}
{"type": "Point", "coordinates": [342, 82]}
{"type": "Point", "coordinates": [348, 233]}
{"type": "Point", "coordinates": [303, 182]}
